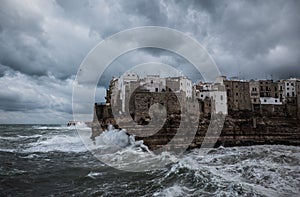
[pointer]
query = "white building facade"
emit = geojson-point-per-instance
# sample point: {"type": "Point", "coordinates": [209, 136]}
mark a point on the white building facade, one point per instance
{"type": "Point", "coordinates": [270, 101]}
{"type": "Point", "coordinates": [290, 87]}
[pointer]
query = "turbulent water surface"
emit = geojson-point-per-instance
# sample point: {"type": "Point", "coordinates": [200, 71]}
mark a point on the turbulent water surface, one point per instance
{"type": "Point", "coordinates": [41, 160]}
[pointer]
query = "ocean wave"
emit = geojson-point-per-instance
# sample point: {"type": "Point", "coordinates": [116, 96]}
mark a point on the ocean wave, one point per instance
{"type": "Point", "coordinates": [237, 171]}
{"type": "Point", "coordinates": [8, 150]}
{"type": "Point", "coordinates": [60, 142]}
{"type": "Point", "coordinates": [19, 137]}
{"type": "Point", "coordinates": [174, 191]}
{"type": "Point", "coordinates": [62, 127]}
{"type": "Point", "coordinates": [79, 125]}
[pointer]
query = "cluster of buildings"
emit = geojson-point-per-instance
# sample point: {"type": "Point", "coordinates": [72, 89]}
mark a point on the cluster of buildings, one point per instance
{"type": "Point", "coordinates": [267, 97]}
{"type": "Point", "coordinates": [122, 88]}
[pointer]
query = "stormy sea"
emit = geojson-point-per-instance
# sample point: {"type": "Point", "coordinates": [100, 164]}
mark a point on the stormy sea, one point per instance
{"type": "Point", "coordinates": [51, 160]}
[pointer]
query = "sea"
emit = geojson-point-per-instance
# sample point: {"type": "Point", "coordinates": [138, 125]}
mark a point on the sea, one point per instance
{"type": "Point", "coordinates": [52, 160]}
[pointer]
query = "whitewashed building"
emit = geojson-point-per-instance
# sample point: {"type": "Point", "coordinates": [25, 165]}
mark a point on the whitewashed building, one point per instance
{"type": "Point", "coordinates": [124, 84]}
{"type": "Point", "coordinates": [290, 87]}
{"type": "Point", "coordinates": [153, 83]}
{"type": "Point", "coordinates": [216, 92]}
{"type": "Point", "coordinates": [270, 101]}
{"type": "Point", "coordinates": [178, 84]}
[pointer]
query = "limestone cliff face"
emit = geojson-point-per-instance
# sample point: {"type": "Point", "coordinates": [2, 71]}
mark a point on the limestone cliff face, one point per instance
{"type": "Point", "coordinates": [240, 128]}
{"type": "Point", "coordinates": [250, 130]}
{"type": "Point", "coordinates": [238, 131]}
{"type": "Point", "coordinates": [244, 125]}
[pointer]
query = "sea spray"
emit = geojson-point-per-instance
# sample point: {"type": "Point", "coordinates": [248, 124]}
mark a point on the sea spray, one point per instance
{"type": "Point", "coordinates": [118, 149]}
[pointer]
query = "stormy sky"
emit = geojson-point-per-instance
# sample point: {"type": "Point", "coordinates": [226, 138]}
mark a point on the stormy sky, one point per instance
{"type": "Point", "coordinates": [44, 42]}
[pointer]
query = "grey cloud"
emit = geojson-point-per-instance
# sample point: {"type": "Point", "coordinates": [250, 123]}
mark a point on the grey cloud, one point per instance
{"type": "Point", "coordinates": [19, 92]}
{"type": "Point", "coordinates": [44, 42]}
{"type": "Point", "coordinates": [240, 31]}
{"type": "Point", "coordinates": [37, 41]}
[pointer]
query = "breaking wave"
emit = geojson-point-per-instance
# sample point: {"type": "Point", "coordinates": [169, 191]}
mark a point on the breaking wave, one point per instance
{"type": "Point", "coordinates": [238, 171]}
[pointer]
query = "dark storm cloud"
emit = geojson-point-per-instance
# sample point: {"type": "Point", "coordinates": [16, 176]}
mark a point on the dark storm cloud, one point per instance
{"type": "Point", "coordinates": [36, 41]}
{"type": "Point", "coordinates": [44, 42]}
{"type": "Point", "coordinates": [238, 34]}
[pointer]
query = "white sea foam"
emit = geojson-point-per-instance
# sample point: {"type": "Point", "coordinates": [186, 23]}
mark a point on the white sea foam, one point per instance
{"type": "Point", "coordinates": [7, 150]}
{"type": "Point", "coordinates": [19, 137]}
{"type": "Point", "coordinates": [173, 191]}
{"type": "Point", "coordinates": [59, 142]}
{"type": "Point", "coordinates": [55, 127]}
{"type": "Point", "coordinates": [240, 170]}
{"type": "Point", "coordinates": [93, 175]}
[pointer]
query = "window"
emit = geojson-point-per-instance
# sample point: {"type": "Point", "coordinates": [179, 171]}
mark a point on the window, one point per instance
{"type": "Point", "coordinates": [288, 94]}
{"type": "Point", "coordinates": [292, 84]}
{"type": "Point", "coordinates": [156, 89]}
{"type": "Point", "coordinates": [293, 93]}
{"type": "Point", "coordinates": [275, 88]}
{"type": "Point", "coordinates": [228, 93]}
{"type": "Point", "coordinates": [288, 88]}
{"type": "Point", "coordinates": [287, 84]}
{"type": "Point", "coordinates": [265, 100]}
{"type": "Point", "coordinates": [201, 95]}
{"type": "Point", "coordinates": [275, 100]}
{"type": "Point", "coordinates": [221, 97]}
{"type": "Point", "coordinates": [151, 81]}
{"type": "Point", "coordinates": [254, 100]}
{"type": "Point", "coordinates": [237, 94]}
